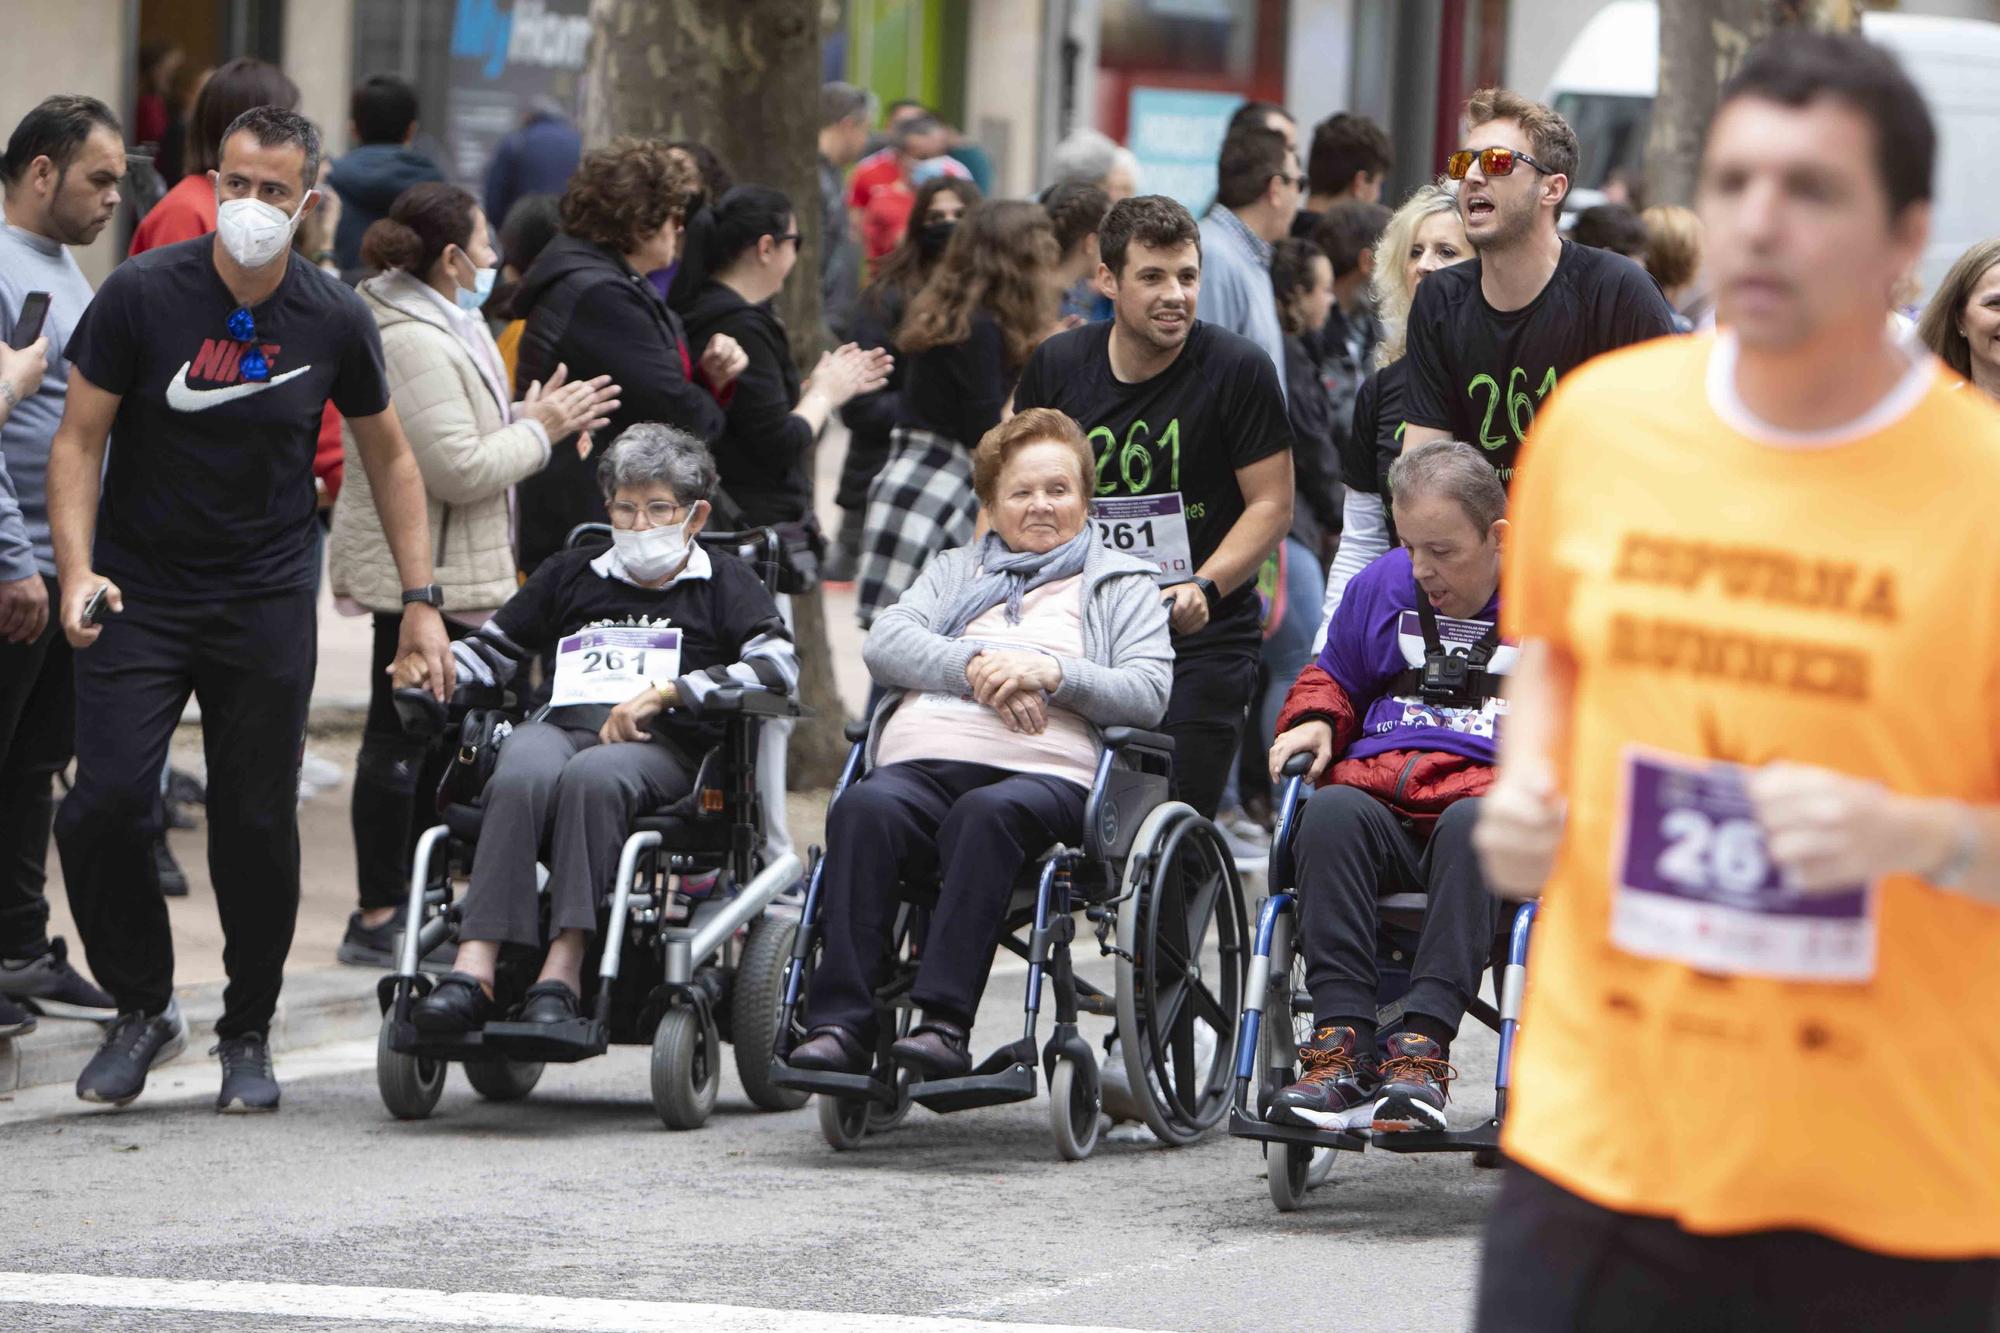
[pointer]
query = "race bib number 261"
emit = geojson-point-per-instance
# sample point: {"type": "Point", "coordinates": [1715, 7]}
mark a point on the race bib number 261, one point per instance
{"type": "Point", "coordinates": [1693, 881]}
{"type": "Point", "coordinates": [609, 665]}
{"type": "Point", "coordinates": [1152, 527]}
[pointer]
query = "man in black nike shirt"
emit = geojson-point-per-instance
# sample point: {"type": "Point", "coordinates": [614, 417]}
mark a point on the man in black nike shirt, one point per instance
{"type": "Point", "coordinates": [1194, 466]}
{"type": "Point", "coordinates": [1489, 340]}
{"type": "Point", "coordinates": [212, 361]}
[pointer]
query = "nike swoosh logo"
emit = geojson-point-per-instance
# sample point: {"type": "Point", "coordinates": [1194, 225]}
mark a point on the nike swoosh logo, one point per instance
{"type": "Point", "coordinates": [184, 399]}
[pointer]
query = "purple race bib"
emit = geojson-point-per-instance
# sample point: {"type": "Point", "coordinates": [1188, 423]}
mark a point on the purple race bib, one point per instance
{"type": "Point", "coordinates": [1693, 882]}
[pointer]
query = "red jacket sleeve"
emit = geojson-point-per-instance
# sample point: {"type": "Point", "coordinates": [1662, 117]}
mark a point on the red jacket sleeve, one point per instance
{"type": "Point", "coordinates": [329, 465]}
{"type": "Point", "coordinates": [1315, 694]}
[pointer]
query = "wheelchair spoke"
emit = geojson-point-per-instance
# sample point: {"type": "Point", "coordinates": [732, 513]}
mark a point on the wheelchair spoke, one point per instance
{"type": "Point", "coordinates": [1207, 1009]}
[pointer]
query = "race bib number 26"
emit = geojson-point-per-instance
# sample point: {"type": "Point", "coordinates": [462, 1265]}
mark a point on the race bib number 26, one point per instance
{"type": "Point", "coordinates": [1152, 527]}
{"type": "Point", "coordinates": [1694, 882]}
{"type": "Point", "coordinates": [611, 664]}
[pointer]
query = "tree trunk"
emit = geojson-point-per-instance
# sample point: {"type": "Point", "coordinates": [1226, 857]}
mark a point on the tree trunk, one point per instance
{"type": "Point", "coordinates": [741, 76]}
{"type": "Point", "coordinates": [1702, 42]}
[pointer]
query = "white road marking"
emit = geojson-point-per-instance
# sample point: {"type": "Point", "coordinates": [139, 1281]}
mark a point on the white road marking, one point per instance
{"type": "Point", "coordinates": [465, 1309]}
{"type": "Point", "coordinates": [1042, 1292]}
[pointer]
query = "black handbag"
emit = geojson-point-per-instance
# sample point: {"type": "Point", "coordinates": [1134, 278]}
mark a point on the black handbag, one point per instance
{"type": "Point", "coordinates": [479, 739]}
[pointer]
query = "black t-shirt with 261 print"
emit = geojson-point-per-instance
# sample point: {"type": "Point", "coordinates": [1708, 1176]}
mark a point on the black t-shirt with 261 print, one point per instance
{"type": "Point", "coordinates": [1479, 373]}
{"type": "Point", "coordinates": [1184, 433]}
{"type": "Point", "coordinates": [208, 490]}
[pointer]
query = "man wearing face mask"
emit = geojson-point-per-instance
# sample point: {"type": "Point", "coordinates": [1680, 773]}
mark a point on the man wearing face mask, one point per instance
{"type": "Point", "coordinates": [193, 557]}
{"type": "Point", "coordinates": [882, 194]}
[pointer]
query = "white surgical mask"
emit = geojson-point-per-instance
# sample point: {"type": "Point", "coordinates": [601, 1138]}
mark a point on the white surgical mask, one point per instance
{"type": "Point", "coordinates": [254, 232]}
{"type": "Point", "coordinates": [648, 553]}
{"type": "Point", "coordinates": [473, 299]}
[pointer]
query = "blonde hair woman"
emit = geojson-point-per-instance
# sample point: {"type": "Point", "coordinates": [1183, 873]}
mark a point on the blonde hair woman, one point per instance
{"type": "Point", "coordinates": [1423, 236]}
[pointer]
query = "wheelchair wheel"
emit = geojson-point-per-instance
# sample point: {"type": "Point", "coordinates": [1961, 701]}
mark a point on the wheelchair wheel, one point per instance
{"type": "Point", "coordinates": [1293, 1169]}
{"type": "Point", "coordinates": [1074, 1112]}
{"type": "Point", "coordinates": [843, 1122]}
{"type": "Point", "coordinates": [410, 1086]}
{"type": "Point", "coordinates": [754, 1011]}
{"type": "Point", "coordinates": [1177, 1012]}
{"type": "Point", "coordinates": [503, 1080]}
{"type": "Point", "coordinates": [687, 1069]}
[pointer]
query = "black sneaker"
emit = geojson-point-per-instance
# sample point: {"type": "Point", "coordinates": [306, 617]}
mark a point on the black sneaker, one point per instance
{"type": "Point", "coordinates": [1338, 1078]}
{"type": "Point", "coordinates": [249, 1085]}
{"type": "Point", "coordinates": [1415, 1086]}
{"type": "Point", "coordinates": [382, 946]}
{"type": "Point", "coordinates": [117, 1073]}
{"type": "Point", "coordinates": [51, 987]}
{"type": "Point", "coordinates": [173, 880]}
{"type": "Point", "coordinates": [14, 1020]}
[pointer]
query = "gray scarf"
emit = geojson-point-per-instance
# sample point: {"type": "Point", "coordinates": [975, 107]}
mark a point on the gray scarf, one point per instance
{"type": "Point", "coordinates": [1007, 576]}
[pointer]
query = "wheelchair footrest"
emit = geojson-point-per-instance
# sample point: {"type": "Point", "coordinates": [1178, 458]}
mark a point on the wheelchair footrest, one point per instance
{"type": "Point", "coordinates": [1007, 1075]}
{"type": "Point", "coordinates": [858, 1087]}
{"type": "Point", "coordinates": [552, 1043]}
{"type": "Point", "coordinates": [1479, 1138]}
{"type": "Point", "coordinates": [1245, 1126]}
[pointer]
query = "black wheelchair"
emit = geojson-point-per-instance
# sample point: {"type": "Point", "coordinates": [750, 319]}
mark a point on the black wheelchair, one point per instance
{"type": "Point", "coordinates": [1278, 1011]}
{"type": "Point", "coordinates": [1158, 886]}
{"type": "Point", "coordinates": [681, 969]}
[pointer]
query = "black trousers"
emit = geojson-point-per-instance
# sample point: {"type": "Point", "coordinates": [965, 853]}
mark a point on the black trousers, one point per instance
{"type": "Point", "coordinates": [395, 780]}
{"type": "Point", "coordinates": [250, 664]}
{"type": "Point", "coordinates": [1553, 1263]}
{"type": "Point", "coordinates": [1213, 687]}
{"type": "Point", "coordinates": [1351, 850]}
{"type": "Point", "coordinates": [970, 826]}
{"type": "Point", "coordinates": [37, 734]}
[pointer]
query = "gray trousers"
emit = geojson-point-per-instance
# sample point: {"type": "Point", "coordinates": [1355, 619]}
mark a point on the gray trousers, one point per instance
{"type": "Point", "coordinates": [559, 789]}
{"type": "Point", "coordinates": [1350, 851]}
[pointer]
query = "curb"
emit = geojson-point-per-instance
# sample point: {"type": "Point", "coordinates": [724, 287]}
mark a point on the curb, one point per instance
{"type": "Point", "coordinates": [316, 1007]}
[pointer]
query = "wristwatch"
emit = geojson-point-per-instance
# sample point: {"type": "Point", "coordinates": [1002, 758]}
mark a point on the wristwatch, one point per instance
{"type": "Point", "coordinates": [1208, 592]}
{"type": "Point", "coordinates": [430, 595]}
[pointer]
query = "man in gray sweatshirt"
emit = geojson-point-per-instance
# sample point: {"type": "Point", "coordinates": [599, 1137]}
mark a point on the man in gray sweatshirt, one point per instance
{"type": "Point", "coordinates": [62, 167]}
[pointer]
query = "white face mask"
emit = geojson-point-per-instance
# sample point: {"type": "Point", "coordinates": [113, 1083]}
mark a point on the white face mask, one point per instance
{"type": "Point", "coordinates": [648, 553]}
{"type": "Point", "coordinates": [254, 232]}
{"type": "Point", "coordinates": [472, 299]}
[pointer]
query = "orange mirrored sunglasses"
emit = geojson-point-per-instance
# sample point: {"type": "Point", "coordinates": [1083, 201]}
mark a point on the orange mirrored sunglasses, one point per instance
{"type": "Point", "coordinates": [1492, 162]}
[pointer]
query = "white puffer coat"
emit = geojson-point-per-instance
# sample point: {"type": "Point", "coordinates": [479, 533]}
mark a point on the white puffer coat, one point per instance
{"type": "Point", "coordinates": [468, 453]}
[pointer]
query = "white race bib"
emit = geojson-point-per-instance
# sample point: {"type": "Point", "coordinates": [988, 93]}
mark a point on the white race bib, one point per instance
{"type": "Point", "coordinates": [609, 665]}
{"type": "Point", "coordinates": [1152, 527]}
{"type": "Point", "coordinates": [1693, 882]}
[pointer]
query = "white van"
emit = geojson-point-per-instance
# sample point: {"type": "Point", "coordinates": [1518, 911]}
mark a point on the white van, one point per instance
{"type": "Point", "coordinates": [1605, 84]}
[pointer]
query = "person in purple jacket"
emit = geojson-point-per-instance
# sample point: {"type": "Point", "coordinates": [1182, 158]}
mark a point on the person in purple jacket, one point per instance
{"type": "Point", "coordinates": [1401, 714]}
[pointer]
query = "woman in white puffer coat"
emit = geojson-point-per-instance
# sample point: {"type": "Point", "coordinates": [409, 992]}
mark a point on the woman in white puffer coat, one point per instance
{"type": "Point", "coordinates": [472, 444]}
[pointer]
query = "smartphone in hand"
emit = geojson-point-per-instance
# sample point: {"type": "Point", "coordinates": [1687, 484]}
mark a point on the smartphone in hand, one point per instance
{"type": "Point", "coordinates": [34, 310]}
{"type": "Point", "coordinates": [93, 610]}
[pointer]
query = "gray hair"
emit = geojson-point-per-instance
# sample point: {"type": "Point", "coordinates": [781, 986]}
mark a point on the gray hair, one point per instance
{"type": "Point", "coordinates": [1456, 471]}
{"type": "Point", "coordinates": [841, 101]}
{"type": "Point", "coordinates": [651, 454]}
{"type": "Point", "coordinates": [1089, 155]}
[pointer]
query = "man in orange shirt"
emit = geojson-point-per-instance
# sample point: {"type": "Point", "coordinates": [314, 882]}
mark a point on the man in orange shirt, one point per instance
{"type": "Point", "coordinates": [1754, 756]}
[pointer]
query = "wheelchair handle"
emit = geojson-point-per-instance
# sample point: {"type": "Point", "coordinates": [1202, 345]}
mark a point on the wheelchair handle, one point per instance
{"type": "Point", "coordinates": [1297, 764]}
{"type": "Point", "coordinates": [422, 714]}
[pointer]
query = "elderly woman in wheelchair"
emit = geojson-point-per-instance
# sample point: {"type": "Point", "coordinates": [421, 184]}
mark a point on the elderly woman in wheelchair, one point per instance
{"type": "Point", "coordinates": [1000, 668]}
{"type": "Point", "coordinates": [1399, 716]}
{"type": "Point", "coordinates": [642, 633]}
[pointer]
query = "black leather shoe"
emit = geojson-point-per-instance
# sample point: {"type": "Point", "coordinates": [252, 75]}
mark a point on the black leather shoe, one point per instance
{"type": "Point", "coordinates": [549, 1002]}
{"type": "Point", "coordinates": [457, 1004]}
{"type": "Point", "coordinates": [832, 1050]}
{"type": "Point", "coordinates": [936, 1049]}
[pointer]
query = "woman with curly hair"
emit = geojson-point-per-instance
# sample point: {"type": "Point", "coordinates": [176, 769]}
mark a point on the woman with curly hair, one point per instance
{"type": "Point", "coordinates": [591, 312]}
{"type": "Point", "coordinates": [990, 302]}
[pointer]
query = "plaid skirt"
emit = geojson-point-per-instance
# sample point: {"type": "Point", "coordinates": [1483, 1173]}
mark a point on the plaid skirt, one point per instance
{"type": "Point", "coordinates": [919, 504]}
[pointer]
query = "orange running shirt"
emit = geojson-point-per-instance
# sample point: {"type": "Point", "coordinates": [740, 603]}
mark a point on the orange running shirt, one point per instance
{"type": "Point", "coordinates": [1728, 593]}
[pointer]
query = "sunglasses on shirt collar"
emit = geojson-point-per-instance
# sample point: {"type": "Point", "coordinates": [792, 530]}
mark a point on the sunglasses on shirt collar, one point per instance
{"type": "Point", "coordinates": [1492, 162]}
{"type": "Point", "coordinates": [243, 329]}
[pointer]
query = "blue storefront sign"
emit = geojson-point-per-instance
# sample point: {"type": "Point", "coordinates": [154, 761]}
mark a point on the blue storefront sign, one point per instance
{"type": "Point", "coordinates": [1176, 133]}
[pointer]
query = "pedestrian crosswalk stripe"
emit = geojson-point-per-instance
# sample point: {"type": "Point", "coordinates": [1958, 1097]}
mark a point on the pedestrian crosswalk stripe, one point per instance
{"type": "Point", "coordinates": [464, 1309]}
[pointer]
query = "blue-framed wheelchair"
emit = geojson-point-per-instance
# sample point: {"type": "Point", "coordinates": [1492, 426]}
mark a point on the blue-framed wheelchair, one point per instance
{"type": "Point", "coordinates": [1278, 1018]}
{"type": "Point", "coordinates": [685, 956]}
{"type": "Point", "coordinates": [1157, 886]}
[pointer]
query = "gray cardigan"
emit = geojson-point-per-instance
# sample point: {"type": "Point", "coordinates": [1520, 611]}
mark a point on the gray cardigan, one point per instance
{"type": "Point", "coordinates": [1123, 678]}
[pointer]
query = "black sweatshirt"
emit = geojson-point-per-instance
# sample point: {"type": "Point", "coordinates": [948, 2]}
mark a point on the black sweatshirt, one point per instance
{"type": "Point", "coordinates": [959, 390]}
{"type": "Point", "coordinates": [762, 452]}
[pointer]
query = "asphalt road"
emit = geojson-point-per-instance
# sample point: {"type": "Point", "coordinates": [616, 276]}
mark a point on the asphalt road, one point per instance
{"type": "Point", "coordinates": [580, 1194]}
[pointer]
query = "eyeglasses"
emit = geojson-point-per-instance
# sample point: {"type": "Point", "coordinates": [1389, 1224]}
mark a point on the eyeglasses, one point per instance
{"type": "Point", "coordinates": [791, 236]}
{"type": "Point", "coordinates": [660, 513]}
{"type": "Point", "coordinates": [243, 329]}
{"type": "Point", "coordinates": [1492, 162]}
